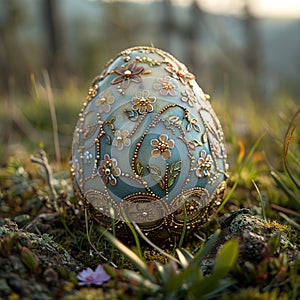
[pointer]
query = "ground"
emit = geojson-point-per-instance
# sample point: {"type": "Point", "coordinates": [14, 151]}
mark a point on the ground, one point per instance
{"type": "Point", "coordinates": [249, 250]}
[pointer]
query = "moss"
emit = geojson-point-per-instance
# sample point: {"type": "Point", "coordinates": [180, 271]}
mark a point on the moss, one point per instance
{"type": "Point", "coordinates": [277, 226]}
{"type": "Point", "coordinates": [93, 294]}
{"type": "Point", "coordinates": [255, 294]}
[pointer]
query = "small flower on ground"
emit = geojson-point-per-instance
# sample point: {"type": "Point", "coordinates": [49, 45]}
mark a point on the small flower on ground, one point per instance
{"type": "Point", "coordinates": [143, 102]}
{"type": "Point", "coordinates": [204, 165]}
{"type": "Point", "coordinates": [165, 86]}
{"type": "Point", "coordinates": [104, 101]}
{"type": "Point", "coordinates": [121, 139]}
{"type": "Point", "coordinates": [89, 277]}
{"type": "Point", "coordinates": [163, 146]}
{"type": "Point", "coordinates": [108, 170]}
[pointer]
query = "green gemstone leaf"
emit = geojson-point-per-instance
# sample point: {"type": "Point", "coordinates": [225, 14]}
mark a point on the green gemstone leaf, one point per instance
{"type": "Point", "coordinates": [162, 184]}
{"type": "Point", "coordinates": [176, 166]}
{"type": "Point", "coordinates": [171, 181]}
{"type": "Point", "coordinates": [155, 173]}
{"type": "Point", "coordinates": [139, 168]}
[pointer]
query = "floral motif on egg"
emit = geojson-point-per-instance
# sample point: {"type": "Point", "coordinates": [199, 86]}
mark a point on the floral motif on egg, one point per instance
{"type": "Point", "coordinates": [204, 165]}
{"type": "Point", "coordinates": [189, 97]}
{"type": "Point", "coordinates": [108, 170]}
{"type": "Point", "coordinates": [105, 101]}
{"type": "Point", "coordinates": [165, 86]}
{"type": "Point", "coordinates": [127, 74]}
{"type": "Point", "coordinates": [143, 102]}
{"type": "Point", "coordinates": [163, 146]}
{"type": "Point", "coordinates": [121, 139]}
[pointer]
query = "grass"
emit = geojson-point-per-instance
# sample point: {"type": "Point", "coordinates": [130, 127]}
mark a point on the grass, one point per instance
{"type": "Point", "coordinates": [264, 165]}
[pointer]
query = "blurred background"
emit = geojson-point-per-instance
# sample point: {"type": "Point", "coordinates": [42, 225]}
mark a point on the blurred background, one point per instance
{"type": "Point", "coordinates": [245, 54]}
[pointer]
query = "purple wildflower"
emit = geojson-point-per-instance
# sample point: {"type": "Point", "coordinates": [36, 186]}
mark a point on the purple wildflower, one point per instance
{"type": "Point", "coordinates": [89, 277]}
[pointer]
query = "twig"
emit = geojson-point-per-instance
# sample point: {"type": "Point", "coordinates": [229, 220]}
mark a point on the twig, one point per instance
{"type": "Point", "coordinates": [285, 210]}
{"type": "Point", "coordinates": [53, 116]}
{"type": "Point", "coordinates": [43, 161]}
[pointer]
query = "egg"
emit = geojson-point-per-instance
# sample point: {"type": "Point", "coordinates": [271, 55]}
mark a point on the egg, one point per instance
{"type": "Point", "coordinates": [148, 148]}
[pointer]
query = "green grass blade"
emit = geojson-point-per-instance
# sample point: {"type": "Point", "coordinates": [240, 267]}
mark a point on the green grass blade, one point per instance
{"type": "Point", "coordinates": [183, 233]}
{"type": "Point", "coordinates": [184, 256]}
{"type": "Point", "coordinates": [290, 194]}
{"type": "Point", "coordinates": [238, 169]}
{"type": "Point", "coordinates": [136, 239]}
{"type": "Point", "coordinates": [135, 277]}
{"type": "Point", "coordinates": [139, 231]}
{"type": "Point", "coordinates": [226, 258]}
{"type": "Point", "coordinates": [208, 287]}
{"type": "Point", "coordinates": [138, 262]}
{"type": "Point", "coordinates": [263, 209]}
{"type": "Point", "coordinates": [192, 269]}
{"type": "Point", "coordinates": [290, 221]}
{"type": "Point", "coordinates": [211, 284]}
{"type": "Point", "coordinates": [199, 256]}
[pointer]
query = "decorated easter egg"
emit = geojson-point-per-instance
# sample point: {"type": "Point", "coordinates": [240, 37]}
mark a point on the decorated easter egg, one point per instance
{"type": "Point", "coordinates": [148, 147]}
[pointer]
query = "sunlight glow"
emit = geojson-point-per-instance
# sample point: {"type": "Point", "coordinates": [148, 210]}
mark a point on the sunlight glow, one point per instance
{"type": "Point", "coordinates": [261, 8]}
{"type": "Point", "coordinates": [277, 8]}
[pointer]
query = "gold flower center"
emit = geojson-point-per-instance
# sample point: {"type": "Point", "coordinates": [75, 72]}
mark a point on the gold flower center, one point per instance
{"type": "Point", "coordinates": [143, 102]}
{"type": "Point", "coordinates": [127, 73]}
{"type": "Point", "coordinates": [162, 146]}
{"type": "Point", "coordinates": [168, 85]}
